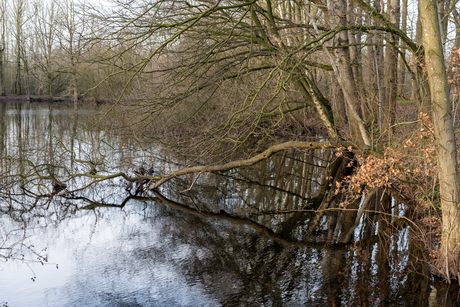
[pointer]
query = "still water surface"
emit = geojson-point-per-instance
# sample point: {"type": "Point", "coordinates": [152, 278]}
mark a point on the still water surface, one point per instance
{"type": "Point", "coordinates": [221, 244]}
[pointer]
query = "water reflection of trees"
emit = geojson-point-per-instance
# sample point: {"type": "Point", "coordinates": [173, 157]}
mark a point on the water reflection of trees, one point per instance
{"type": "Point", "coordinates": [368, 275]}
{"type": "Point", "coordinates": [273, 233]}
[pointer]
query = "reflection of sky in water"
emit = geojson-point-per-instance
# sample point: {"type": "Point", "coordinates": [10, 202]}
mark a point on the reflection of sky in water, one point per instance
{"type": "Point", "coordinates": [148, 257]}
{"type": "Point", "coordinates": [101, 264]}
{"type": "Point", "coordinates": [29, 110]}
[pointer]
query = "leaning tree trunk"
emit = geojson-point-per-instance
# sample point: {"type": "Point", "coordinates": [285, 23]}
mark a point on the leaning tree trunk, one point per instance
{"type": "Point", "coordinates": [444, 135]}
{"type": "Point", "coordinates": [344, 73]}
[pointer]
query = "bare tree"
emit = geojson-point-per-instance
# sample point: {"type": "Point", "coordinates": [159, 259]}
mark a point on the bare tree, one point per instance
{"type": "Point", "coordinates": [449, 180]}
{"type": "Point", "coordinates": [73, 24]}
{"type": "Point", "coordinates": [45, 28]}
{"type": "Point", "coordinates": [222, 71]}
{"type": "Point", "coordinates": [19, 8]}
{"type": "Point", "coordinates": [3, 25]}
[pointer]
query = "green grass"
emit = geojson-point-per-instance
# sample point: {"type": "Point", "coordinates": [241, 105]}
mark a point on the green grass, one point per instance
{"type": "Point", "coordinates": [402, 100]}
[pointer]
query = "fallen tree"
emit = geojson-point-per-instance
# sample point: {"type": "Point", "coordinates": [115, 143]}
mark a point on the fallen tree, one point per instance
{"type": "Point", "coordinates": [345, 145]}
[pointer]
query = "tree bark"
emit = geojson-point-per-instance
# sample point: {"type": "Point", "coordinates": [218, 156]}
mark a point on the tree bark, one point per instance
{"type": "Point", "coordinates": [391, 65]}
{"type": "Point", "coordinates": [379, 71]}
{"type": "Point", "coordinates": [338, 17]}
{"type": "Point", "coordinates": [402, 68]}
{"type": "Point", "coordinates": [420, 87]}
{"type": "Point", "coordinates": [444, 133]}
{"type": "Point", "coordinates": [338, 104]}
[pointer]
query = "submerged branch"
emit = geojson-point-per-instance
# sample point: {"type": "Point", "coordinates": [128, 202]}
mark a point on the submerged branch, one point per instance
{"type": "Point", "coordinates": [244, 221]}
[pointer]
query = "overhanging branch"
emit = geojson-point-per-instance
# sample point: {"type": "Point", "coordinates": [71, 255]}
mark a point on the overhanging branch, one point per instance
{"type": "Point", "coordinates": [263, 156]}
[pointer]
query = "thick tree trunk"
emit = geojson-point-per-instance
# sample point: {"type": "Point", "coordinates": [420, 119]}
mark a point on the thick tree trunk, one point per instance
{"type": "Point", "coordinates": [444, 134]}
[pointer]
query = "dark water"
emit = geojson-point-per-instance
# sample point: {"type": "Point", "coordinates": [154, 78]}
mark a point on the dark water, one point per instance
{"type": "Point", "coordinates": [241, 238]}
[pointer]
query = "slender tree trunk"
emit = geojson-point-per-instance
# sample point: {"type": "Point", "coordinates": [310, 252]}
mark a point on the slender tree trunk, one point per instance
{"type": "Point", "coordinates": [2, 70]}
{"type": "Point", "coordinates": [444, 8]}
{"type": "Point", "coordinates": [370, 73]}
{"type": "Point", "coordinates": [444, 135]}
{"type": "Point", "coordinates": [420, 88]}
{"type": "Point", "coordinates": [27, 75]}
{"type": "Point", "coordinates": [18, 15]}
{"type": "Point", "coordinates": [379, 71]}
{"type": "Point", "coordinates": [2, 46]}
{"type": "Point", "coordinates": [75, 90]}
{"type": "Point", "coordinates": [353, 50]}
{"type": "Point", "coordinates": [338, 104]}
{"type": "Point", "coordinates": [402, 67]}
{"type": "Point", "coordinates": [456, 16]}
{"type": "Point", "coordinates": [345, 73]}
{"type": "Point", "coordinates": [17, 81]}
{"type": "Point", "coordinates": [372, 88]}
{"type": "Point", "coordinates": [391, 65]}
{"type": "Point", "coordinates": [355, 17]}
{"type": "Point", "coordinates": [301, 81]}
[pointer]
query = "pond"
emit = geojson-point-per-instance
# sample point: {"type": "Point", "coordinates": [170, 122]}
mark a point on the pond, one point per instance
{"type": "Point", "coordinates": [247, 237]}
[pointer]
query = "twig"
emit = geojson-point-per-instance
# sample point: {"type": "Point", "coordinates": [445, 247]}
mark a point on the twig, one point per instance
{"type": "Point", "coordinates": [191, 199]}
{"type": "Point", "coordinates": [191, 186]}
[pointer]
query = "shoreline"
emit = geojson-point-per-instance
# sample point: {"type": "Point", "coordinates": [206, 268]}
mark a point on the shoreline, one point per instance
{"type": "Point", "coordinates": [39, 98]}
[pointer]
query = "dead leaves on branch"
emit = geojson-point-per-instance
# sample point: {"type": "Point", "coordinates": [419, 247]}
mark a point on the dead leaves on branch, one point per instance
{"type": "Point", "coordinates": [410, 169]}
{"type": "Point", "coordinates": [453, 71]}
